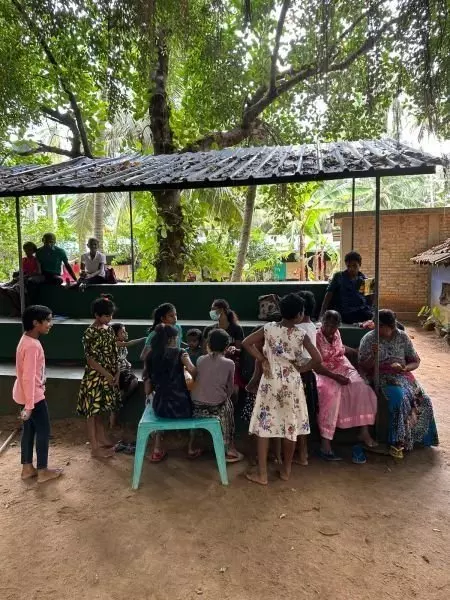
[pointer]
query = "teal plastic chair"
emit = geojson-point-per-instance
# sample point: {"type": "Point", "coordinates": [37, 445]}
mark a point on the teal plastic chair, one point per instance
{"type": "Point", "coordinates": [150, 423]}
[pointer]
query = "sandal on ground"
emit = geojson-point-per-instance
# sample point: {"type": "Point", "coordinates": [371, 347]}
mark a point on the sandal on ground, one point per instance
{"type": "Point", "coordinates": [329, 456]}
{"type": "Point", "coordinates": [158, 456]}
{"type": "Point", "coordinates": [396, 452]}
{"type": "Point", "coordinates": [195, 454]}
{"type": "Point", "coordinates": [234, 457]}
{"type": "Point", "coordinates": [358, 456]}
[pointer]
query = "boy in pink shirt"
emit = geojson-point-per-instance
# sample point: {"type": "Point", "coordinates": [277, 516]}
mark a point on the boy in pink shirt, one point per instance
{"type": "Point", "coordinates": [29, 391]}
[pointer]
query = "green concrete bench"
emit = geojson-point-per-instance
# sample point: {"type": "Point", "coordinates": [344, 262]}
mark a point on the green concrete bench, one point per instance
{"type": "Point", "coordinates": [64, 341]}
{"type": "Point", "coordinates": [193, 300]}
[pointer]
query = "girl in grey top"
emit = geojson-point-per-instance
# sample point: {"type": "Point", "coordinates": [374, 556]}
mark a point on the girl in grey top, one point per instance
{"type": "Point", "coordinates": [211, 396]}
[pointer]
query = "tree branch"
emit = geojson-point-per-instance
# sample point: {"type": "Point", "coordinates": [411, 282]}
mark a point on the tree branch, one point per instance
{"type": "Point", "coordinates": [351, 28]}
{"type": "Point", "coordinates": [264, 96]}
{"type": "Point", "coordinates": [68, 121]}
{"type": "Point", "coordinates": [276, 47]}
{"type": "Point", "coordinates": [47, 148]}
{"type": "Point", "coordinates": [62, 80]}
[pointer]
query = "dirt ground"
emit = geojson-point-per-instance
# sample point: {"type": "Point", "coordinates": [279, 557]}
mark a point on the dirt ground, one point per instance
{"type": "Point", "coordinates": [335, 531]}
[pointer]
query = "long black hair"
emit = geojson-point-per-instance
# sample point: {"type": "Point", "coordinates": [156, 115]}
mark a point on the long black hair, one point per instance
{"type": "Point", "coordinates": [156, 359]}
{"type": "Point", "coordinates": [224, 305]}
{"type": "Point", "coordinates": [160, 312]}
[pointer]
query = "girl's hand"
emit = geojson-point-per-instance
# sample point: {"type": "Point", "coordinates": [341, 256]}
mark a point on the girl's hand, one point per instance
{"type": "Point", "coordinates": [110, 379]}
{"type": "Point", "coordinates": [266, 367]}
{"type": "Point", "coordinates": [25, 414]}
{"type": "Point", "coordinates": [117, 378]}
{"type": "Point", "coordinates": [342, 379]}
{"type": "Point", "coordinates": [397, 367]}
{"type": "Point", "coordinates": [375, 349]}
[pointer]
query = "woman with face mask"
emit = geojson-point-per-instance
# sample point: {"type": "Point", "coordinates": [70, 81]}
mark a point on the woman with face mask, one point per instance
{"type": "Point", "coordinates": [227, 319]}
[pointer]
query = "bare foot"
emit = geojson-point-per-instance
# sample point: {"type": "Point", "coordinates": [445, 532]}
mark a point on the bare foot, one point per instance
{"type": "Point", "coordinates": [284, 475]}
{"type": "Point", "coordinates": [28, 472]}
{"type": "Point", "coordinates": [48, 474]}
{"type": "Point", "coordinates": [301, 460]}
{"type": "Point", "coordinates": [102, 453]}
{"type": "Point", "coordinates": [257, 478]}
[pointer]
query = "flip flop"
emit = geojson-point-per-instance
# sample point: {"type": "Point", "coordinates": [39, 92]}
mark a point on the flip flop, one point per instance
{"type": "Point", "coordinates": [157, 457]}
{"type": "Point", "coordinates": [358, 456]}
{"type": "Point", "coordinates": [196, 454]}
{"type": "Point", "coordinates": [396, 452]}
{"type": "Point", "coordinates": [234, 458]}
{"type": "Point", "coordinates": [329, 456]}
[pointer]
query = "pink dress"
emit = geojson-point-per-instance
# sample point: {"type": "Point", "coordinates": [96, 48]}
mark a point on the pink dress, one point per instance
{"type": "Point", "coordinates": [343, 406]}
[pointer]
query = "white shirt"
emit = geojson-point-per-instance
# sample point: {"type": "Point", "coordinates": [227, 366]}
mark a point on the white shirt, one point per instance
{"type": "Point", "coordinates": [92, 265]}
{"type": "Point", "coordinates": [311, 332]}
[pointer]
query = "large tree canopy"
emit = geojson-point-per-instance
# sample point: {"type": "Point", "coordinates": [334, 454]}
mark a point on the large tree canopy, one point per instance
{"type": "Point", "coordinates": [211, 74]}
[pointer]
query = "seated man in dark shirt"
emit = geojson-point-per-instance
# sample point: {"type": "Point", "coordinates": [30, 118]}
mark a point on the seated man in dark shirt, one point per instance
{"type": "Point", "coordinates": [345, 293]}
{"type": "Point", "coordinates": [51, 258]}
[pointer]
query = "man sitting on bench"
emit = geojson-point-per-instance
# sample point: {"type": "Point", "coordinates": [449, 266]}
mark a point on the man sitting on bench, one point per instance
{"type": "Point", "coordinates": [51, 258]}
{"type": "Point", "coordinates": [345, 293]}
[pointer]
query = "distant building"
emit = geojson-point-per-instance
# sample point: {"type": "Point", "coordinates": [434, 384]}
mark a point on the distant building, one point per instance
{"type": "Point", "coordinates": [404, 285]}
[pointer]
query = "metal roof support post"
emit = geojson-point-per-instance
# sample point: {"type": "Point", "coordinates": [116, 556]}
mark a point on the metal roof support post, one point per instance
{"type": "Point", "coordinates": [377, 281]}
{"type": "Point", "coordinates": [353, 214]}
{"type": "Point", "coordinates": [19, 249]}
{"type": "Point", "coordinates": [130, 198]}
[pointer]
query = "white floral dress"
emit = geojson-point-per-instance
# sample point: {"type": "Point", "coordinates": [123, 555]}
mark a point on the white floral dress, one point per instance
{"type": "Point", "coordinates": [280, 407]}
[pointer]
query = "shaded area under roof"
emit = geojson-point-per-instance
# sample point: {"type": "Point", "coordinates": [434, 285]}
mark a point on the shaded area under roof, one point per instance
{"type": "Point", "coordinates": [437, 255]}
{"type": "Point", "coordinates": [228, 167]}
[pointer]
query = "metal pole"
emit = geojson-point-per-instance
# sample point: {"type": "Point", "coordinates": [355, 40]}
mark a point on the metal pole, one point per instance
{"type": "Point", "coordinates": [19, 249]}
{"type": "Point", "coordinates": [353, 214]}
{"type": "Point", "coordinates": [131, 236]}
{"type": "Point", "coordinates": [377, 282]}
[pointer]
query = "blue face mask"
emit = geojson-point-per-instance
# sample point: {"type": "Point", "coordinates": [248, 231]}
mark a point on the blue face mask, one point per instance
{"type": "Point", "coordinates": [213, 315]}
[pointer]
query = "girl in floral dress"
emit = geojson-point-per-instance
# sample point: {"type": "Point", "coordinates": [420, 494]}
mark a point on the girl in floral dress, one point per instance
{"type": "Point", "coordinates": [99, 391]}
{"type": "Point", "coordinates": [280, 408]}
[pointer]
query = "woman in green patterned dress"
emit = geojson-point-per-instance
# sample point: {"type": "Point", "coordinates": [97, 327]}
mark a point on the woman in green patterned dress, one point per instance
{"type": "Point", "coordinates": [99, 391]}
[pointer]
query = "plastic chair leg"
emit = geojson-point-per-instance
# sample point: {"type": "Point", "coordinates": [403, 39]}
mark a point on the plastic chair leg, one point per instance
{"type": "Point", "coordinates": [141, 445]}
{"type": "Point", "coordinates": [219, 449]}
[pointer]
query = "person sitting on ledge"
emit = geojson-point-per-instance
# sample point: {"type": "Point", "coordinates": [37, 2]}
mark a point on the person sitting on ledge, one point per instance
{"type": "Point", "coordinates": [51, 258]}
{"type": "Point", "coordinates": [345, 293]}
{"type": "Point", "coordinates": [93, 264]}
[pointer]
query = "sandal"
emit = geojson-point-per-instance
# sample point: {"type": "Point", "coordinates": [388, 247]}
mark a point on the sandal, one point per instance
{"type": "Point", "coordinates": [158, 456]}
{"type": "Point", "coordinates": [329, 456]}
{"type": "Point", "coordinates": [358, 456]}
{"type": "Point", "coordinates": [234, 457]}
{"type": "Point", "coordinates": [396, 452]}
{"type": "Point", "coordinates": [195, 454]}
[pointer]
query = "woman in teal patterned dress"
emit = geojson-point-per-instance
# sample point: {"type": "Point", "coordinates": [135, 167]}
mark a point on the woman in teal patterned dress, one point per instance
{"type": "Point", "coordinates": [411, 417]}
{"type": "Point", "coordinates": [99, 391]}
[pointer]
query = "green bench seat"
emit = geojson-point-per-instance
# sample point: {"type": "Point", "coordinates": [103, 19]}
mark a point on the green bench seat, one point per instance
{"type": "Point", "coordinates": [64, 340]}
{"type": "Point", "coordinates": [193, 300]}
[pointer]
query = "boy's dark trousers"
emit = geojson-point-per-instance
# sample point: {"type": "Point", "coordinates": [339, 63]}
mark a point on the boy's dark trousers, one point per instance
{"type": "Point", "coordinates": [37, 426]}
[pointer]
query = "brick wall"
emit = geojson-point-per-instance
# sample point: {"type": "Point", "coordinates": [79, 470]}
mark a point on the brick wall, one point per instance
{"type": "Point", "coordinates": [404, 285]}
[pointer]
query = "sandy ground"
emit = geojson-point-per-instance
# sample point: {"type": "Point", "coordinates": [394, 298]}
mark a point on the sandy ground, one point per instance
{"type": "Point", "coordinates": [335, 531]}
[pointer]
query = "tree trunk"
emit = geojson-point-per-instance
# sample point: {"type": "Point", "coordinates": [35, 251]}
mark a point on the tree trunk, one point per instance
{"type": "Point", "coordinates": [301, 252]}
{"type": "Point", "coordinates": [169, 262]}
{"type": "Point", "coordinates": [171, 250]}
{"type": "Point", "coordinates": [245, 233]}
{"type": "Point", "coordinates": [99, 217]}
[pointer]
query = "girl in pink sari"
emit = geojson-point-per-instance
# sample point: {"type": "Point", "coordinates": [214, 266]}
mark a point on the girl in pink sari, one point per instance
{"type": "Point", "coordinates": [345, 399]}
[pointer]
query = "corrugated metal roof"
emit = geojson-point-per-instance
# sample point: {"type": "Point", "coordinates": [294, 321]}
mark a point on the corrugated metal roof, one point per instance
{"type": "Point", "coordinates": [229, 167]}
{"type": "Point", "coordinates": [438, 255]}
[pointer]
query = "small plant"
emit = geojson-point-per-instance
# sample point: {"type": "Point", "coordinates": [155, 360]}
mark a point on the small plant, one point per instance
{"type": "Point", "coordinates": [431, 318]}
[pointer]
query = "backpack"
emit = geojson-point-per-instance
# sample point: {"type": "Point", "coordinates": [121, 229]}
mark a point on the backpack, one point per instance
{"type": "Point", "coordinates": [268, 305]}
{"type": "Point", "coordinates": [110, 275]}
